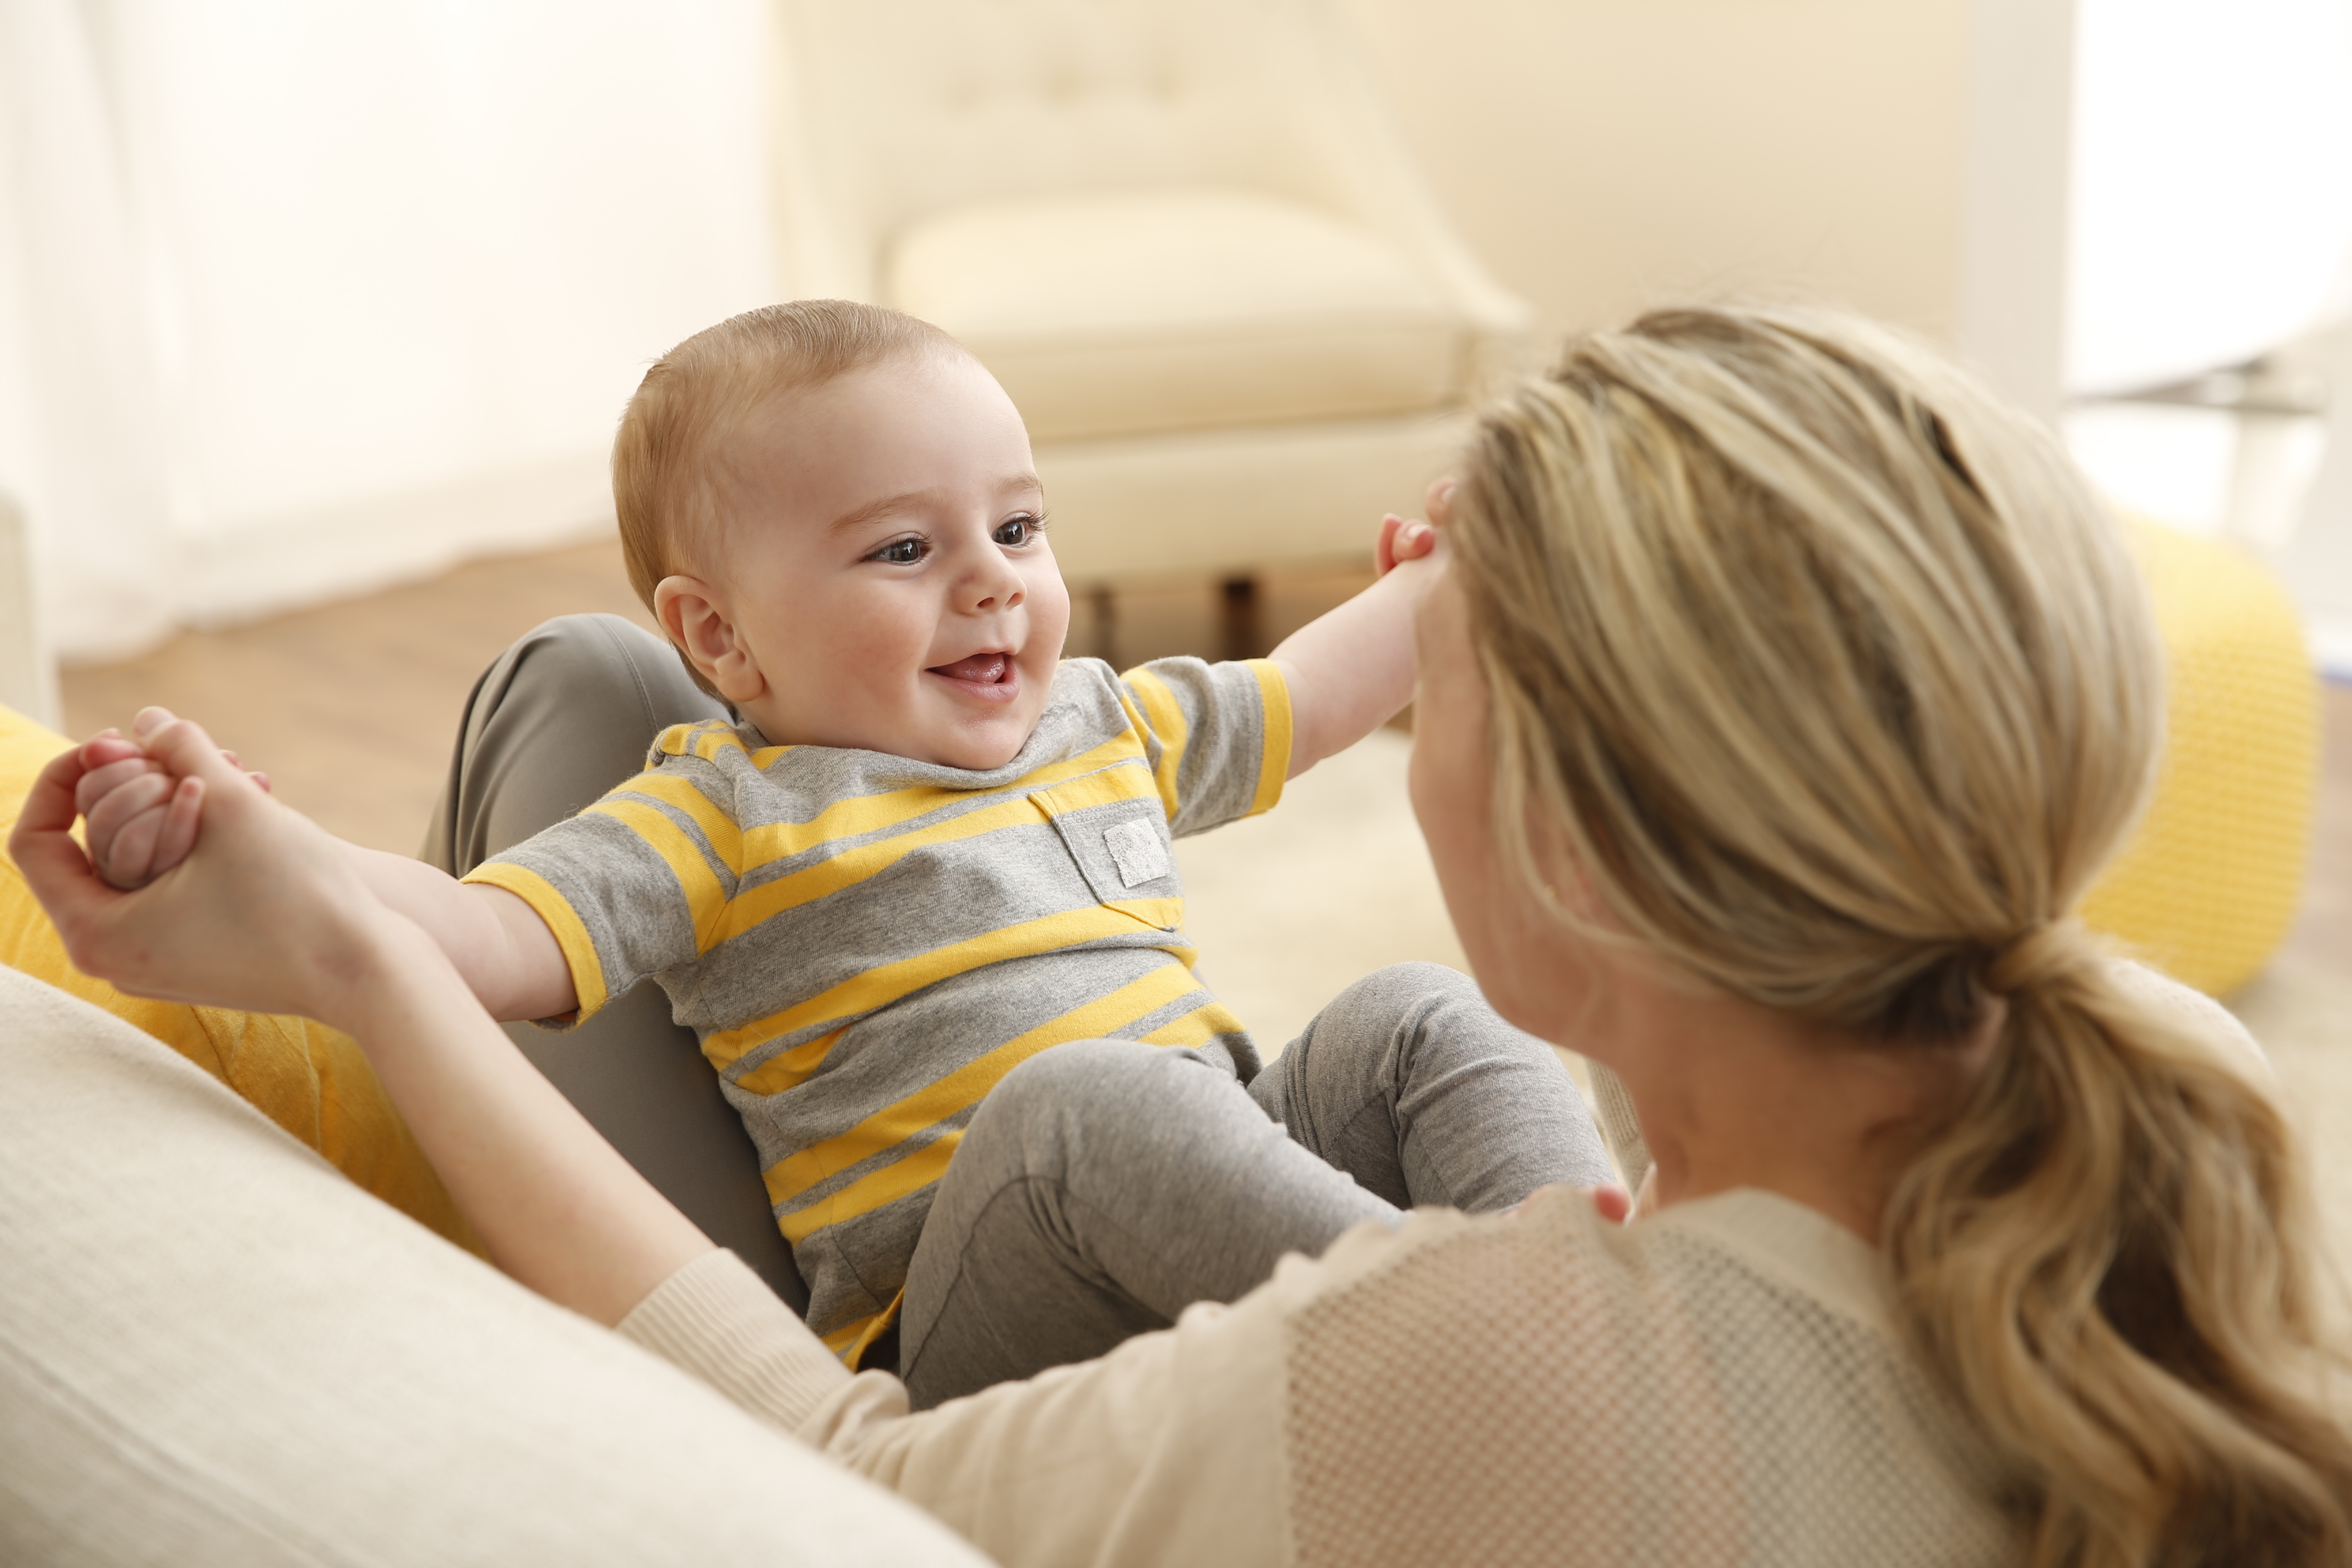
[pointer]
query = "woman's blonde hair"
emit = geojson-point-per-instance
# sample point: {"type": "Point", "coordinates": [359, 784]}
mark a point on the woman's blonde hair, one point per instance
{"type": "Point", "coordinates": [1838, 687]}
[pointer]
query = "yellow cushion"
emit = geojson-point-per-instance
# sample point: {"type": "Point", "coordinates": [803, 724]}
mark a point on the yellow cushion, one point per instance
{"type": "Point", "coordinates": [309, 1080]}
{"type": "Point", "coordinates": [1110, 314]}
{"type": "Point", "coordinates": [2207, 887]}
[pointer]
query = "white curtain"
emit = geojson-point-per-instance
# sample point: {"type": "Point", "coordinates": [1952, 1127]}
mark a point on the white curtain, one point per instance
{"type": "Point", "coordinates": [2210, 223]}
{"type": "Point", "coordinates": [299, 297]}
{"type": "Point", "coordinates": [2211, 202]}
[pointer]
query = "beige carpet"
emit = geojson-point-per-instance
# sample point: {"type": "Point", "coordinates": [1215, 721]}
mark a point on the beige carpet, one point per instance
{"type": "Point", "coordinates": [1289, 907]}
{"type": "Point", "coordinates": [2303, 1017]}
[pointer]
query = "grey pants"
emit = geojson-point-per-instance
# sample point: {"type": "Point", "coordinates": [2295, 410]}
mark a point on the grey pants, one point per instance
{"type": "Point", "coordinates": [1104, 1185]}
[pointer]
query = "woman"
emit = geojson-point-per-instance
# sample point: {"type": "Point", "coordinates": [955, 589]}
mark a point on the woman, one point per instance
{"type": "Point", "coordinates": [1782, 697]}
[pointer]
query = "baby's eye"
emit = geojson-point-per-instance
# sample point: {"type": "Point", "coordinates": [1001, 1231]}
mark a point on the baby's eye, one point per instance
{"type": "Point", "coordinates": [1018, 530]}
{"type": "Point", "coordinates": [900, 552]}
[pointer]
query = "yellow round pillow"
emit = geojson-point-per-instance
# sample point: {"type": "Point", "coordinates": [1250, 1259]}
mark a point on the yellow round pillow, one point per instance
{"type": "Point", "coordinates": [2206, 886]}
{"type": "Point", "coordinates": [309, 1080]}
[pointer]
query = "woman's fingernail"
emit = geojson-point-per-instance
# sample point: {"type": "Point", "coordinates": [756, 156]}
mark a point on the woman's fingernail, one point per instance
{"type": "Point", "coordinates": [147, 721]}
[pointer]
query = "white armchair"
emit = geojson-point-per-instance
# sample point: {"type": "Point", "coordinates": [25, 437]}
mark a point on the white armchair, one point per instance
{"type": "Point", "coordinates": [1184, 233]}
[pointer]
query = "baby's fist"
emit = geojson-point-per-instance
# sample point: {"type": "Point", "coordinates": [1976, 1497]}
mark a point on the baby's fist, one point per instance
{"type": "Point", "coordinates": [139, 821]}
{"type": "Point", "coordinates": [1402, 541]}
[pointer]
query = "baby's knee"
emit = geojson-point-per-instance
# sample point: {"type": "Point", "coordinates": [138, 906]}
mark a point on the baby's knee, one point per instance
{"type": "Point", "coordinates": [1404, 990]}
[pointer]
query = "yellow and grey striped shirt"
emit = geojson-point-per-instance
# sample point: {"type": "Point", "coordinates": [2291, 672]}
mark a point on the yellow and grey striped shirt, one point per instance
{"type": "Point", "coordinates": [867, 945]}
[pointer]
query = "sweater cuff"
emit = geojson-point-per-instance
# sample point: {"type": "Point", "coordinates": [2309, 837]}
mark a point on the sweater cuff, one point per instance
{"type": "Point", "coordinates": [715, 1319]}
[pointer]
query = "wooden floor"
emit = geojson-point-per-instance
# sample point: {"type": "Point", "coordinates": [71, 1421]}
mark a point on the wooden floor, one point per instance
{"type": "Point", "coordinates": [352, 707]}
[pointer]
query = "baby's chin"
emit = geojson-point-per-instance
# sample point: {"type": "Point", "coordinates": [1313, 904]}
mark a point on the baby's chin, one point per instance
{"type": "Point", "coordinates": [975, 755]}
{"type": "Point", "coordinates": [983, 745]}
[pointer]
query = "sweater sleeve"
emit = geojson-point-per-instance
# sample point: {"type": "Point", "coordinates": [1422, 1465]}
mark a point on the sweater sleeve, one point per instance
{"type": "Point", "coordinates": [716, 1320]}
{"type": "Point", "coordinates": [1166, 1451]}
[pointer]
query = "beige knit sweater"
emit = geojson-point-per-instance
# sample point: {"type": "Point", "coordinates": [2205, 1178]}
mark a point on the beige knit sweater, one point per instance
{"type": "Point", "coordinates": [1717, 1384]}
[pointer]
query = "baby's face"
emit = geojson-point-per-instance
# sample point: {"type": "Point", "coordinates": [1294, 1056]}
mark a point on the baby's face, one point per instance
{"type": "Point", "coordinates": [884, 568]}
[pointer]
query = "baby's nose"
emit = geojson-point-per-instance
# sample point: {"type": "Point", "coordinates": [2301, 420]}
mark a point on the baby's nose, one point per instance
{"type": "Point", "coordinates": [998, 594]}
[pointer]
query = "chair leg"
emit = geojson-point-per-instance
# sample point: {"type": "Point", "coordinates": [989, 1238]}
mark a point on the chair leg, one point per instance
{"type": "Point", "coordinates": [1104, 602]}
{"type": "Point", "coordinates": [1243, 621]}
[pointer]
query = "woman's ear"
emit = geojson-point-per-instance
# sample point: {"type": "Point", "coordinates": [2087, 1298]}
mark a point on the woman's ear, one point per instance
{"type": "Point", "coordinates": [696, 622]}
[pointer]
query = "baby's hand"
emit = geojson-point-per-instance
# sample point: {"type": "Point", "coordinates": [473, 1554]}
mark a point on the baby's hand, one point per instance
{"type": "Point", "coordinates": [1403, 539]}
{"type": "Point", "coordinates": [139, 823]}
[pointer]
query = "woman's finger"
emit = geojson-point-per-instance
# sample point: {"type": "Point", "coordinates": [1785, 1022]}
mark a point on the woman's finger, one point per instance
{"type": "Point", "coordinates": [180, 820]}
{"type": "Point", "coordinates": [1440, 500]}
{"type": "Point", "coordinates": [54, 868]}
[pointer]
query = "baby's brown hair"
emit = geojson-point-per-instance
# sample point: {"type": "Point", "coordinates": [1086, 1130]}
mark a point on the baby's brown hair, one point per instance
{"type": "Point", "coordinates": [695, 396]}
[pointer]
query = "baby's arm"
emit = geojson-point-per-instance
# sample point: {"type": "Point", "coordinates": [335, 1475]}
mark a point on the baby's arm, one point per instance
{"type": "Point", "coordinates": [139, 822]}
{"type": "Point", "coordinates": [1349, 671]}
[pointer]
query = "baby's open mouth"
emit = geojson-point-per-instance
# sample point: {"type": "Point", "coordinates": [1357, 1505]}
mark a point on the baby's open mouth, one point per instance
{"type": "Point", "coordinates": [985, 669]}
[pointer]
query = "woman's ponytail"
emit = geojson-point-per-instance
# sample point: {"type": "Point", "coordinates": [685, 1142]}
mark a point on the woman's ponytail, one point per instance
{"type": "Point", "coordinates": [2105, 1259]}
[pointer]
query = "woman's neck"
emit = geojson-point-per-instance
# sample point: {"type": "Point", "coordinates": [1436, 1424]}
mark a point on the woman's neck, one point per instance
{"type": "Point", "coordinates": [1733, 1094]}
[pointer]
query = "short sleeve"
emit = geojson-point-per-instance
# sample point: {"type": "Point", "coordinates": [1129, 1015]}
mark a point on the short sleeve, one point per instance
{"type": "Point", "coordinates": [635, 886]}
{"type": "Point", "coordinates": [1217, 737]}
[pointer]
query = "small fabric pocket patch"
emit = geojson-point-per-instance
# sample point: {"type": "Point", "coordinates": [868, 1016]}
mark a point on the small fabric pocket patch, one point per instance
{"type": "Point", "coordinates": [1112, 823]}
{"type": "Point", "coordinates": [1138, 852]}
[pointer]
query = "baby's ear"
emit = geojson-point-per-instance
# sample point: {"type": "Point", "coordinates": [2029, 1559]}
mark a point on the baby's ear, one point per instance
{"type": "Point", "coordinates": [696, 620]}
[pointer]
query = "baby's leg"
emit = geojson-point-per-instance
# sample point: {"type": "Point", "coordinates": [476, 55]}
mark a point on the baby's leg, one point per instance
{"type": "Point", "coordinates": [1106, 1185]}
{"type": "Point", "coordinates": [1412, 1085]}
{"type": "Point", "coordinates": [565, 715]}
{"type": "Point", "coordinates": [1102, 1188]}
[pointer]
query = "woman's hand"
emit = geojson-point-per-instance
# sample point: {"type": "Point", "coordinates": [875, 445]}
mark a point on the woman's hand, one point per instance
{"type": "Point", "coordinates": [138, 822]}
{"type": "Point", "coordinates": [263, 914]}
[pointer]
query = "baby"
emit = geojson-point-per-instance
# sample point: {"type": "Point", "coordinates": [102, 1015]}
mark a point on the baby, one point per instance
{"type": "Point", "coordinates": [929, 847]}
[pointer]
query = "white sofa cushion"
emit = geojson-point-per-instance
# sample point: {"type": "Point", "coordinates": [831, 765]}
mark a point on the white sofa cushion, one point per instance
{"type": "Point", "coordinates": [214, 1350]}
{"type": "Point", "coordinates": [1123, 313]}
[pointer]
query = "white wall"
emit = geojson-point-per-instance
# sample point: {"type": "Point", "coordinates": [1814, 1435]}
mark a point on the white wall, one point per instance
{"type": "Point", "coordinates": [1603, 155]}
{"type": "Point", "coordinates": [386, 274]}
{"type": "Point", "coordinates": [1907, 160]}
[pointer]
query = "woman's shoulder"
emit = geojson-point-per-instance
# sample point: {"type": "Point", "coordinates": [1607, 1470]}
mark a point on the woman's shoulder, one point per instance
{"type": "Point", "coordinates": [1723, 1379]}
{"type": "Point", "coordinates": [1775, 1238]}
